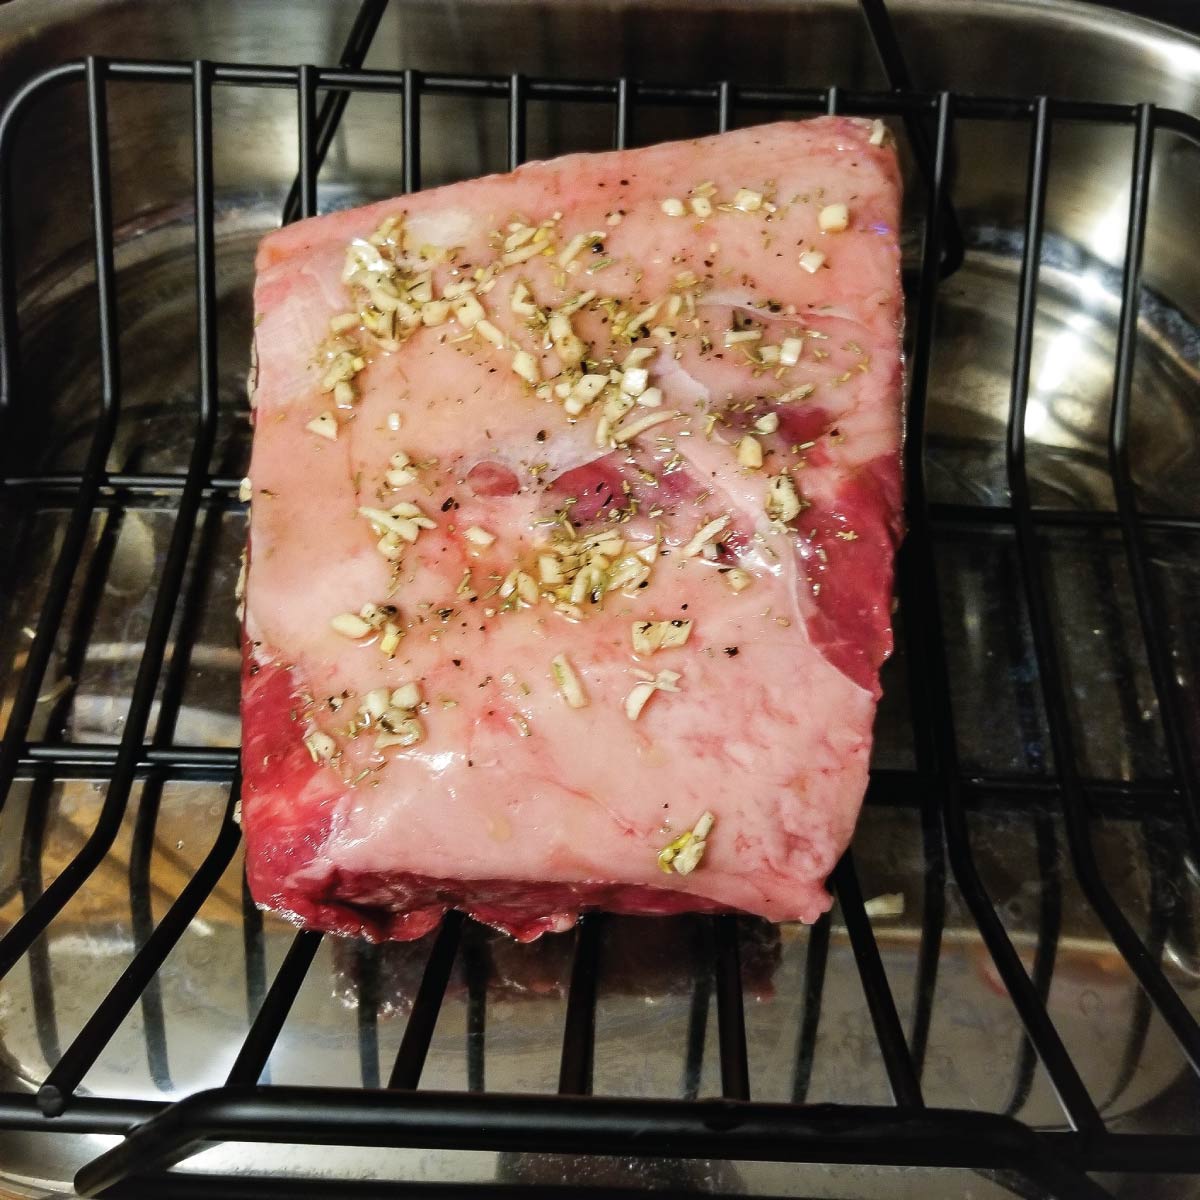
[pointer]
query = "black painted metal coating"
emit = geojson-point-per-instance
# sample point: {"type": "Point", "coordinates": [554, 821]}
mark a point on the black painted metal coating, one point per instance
{"type": "Point", "coordinates": [927, 647]}
{"type": "Point", "coordinates": [588, 1125]}
{"type": "Point", "coordinates": [422, 1020]}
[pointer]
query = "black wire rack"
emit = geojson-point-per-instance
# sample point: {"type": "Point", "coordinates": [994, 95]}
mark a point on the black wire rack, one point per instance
{"type": "Point", "coordinates": [396, 1111]}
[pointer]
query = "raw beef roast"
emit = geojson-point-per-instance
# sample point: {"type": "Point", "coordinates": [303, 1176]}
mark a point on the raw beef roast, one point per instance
{"type": "Point", "coordinates": [575, 493]}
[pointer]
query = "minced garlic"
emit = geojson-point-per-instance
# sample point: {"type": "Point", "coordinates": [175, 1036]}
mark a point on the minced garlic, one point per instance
{"type": "Point", "coordinates": [749, 453]}
{"type": "Point", "coordinates": [683, 855]}
{"type": "Point", "coordinates": [834, 218]}
{"type": "Point", "coordinates": [401, 472]}
{"type": "Point", "coordinates": [568, 682]}
{"type": "Point", "coordinates": [647, 685]}
{"type": "Point", "coordinates": [567, 344]}
{"type": "Point", "coordinates": [704, 535]}
{"type": "Point", "coordinates": [627, 433]}
{"type": "Point", "coordinates": [321, 747]}
{"type": "Point", "coordinates": [782, 501]}
{"type": "Point", "coordinates": [526, 366]}
{"type": "Point", "coordinates": [583, 393]}
{"type": "Point", "coordinates": [351, 625]}
{"type": "Point", "coordinates": [812, 260]}
{"type": "Point", "coordinates": [398, 730]}
{"type": "Point", "coordinates": [797, 393]}
{"type": "Point", "coordinates": [649, 636]}
{"type": "Point", "coordinates": [325, 426]}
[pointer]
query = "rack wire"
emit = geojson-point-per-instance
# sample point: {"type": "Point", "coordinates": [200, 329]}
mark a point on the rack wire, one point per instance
{"type": "Point", "coordinates": [396, 1111]}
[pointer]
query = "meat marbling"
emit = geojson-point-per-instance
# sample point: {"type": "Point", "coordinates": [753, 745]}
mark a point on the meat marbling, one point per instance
{"type": "Point", "coordinates": [433, 356]}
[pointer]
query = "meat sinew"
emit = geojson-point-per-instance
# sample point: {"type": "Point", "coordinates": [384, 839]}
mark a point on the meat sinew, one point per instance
{"type": "Point", "coordinates": [575, 493]}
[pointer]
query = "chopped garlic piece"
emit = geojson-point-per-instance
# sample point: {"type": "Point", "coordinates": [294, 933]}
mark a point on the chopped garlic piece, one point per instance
{"type": "Point", "coordinates": [749, 453]}
{"type": "Point", "coordinates": [325, 426]}
{"type": "Point", "coordinates": [649, 636]}
{"type": "Point", "coordinates": [521, 302]}
{"type": "Point", "coordinates": [639, 696]}
{"type": "Point", "coordinates": [567, 343]}
{"type": "Point", "coordinates": [436, 312]}
{"type": "Point", "coordinates": [390, 547]}
{"type": "Point", "coordinates": [575, 246]}
{"type": "Point", "coordinates": [878, 132]}
{"type": "Point", "coordinates": [812, 260]}
{"type": "Point", "coordinates": [568, 682]}
{"type": "Point", "coordinates": [798, 393]}
{"type": "Point", "coordinates": [351, 625]}
{"type": "Point", "coordinates": [701, 206]}
{"type": "Point", "coordinates": [767, 423]}
{"type": "Point", "coordinates": [244, 489]}
{"type": "Point", "coordinates": [790, 350]}
{"type": "Point", "coordinates": [525, 365]}
{"type": "Point", "coordinates": [519, 236]}
{"type": "Point", "coordinates": [393, 421]}
{"type": "Point", "coordinates": [734, 337]}
{"type": "Point", "coordinates": [321, 747]}
{"type": "Point", "coordinates": [373, 615]}
{"type": "Point", "coordinates": [342, 322]}
{"type": "Point", "coordinates": [634, 380]}
{"type": "Point", "coordinates": [404, 731]}
{"type": "Point", "coordinates": [550, 569]}
{"type": "Point", "coordinates": [405, 508]}
{"type": "Point", "coordinates": [628, 432]}
{"type": "Point", "coordinates": [398, 523]}
{"type": "Point", "coordinates": [573, 306]}
{"type": "Point", "coordinates": [738, 579]}
{"type": "Point", "coordinates": [704, 535]}
{"type": "Point", "coordinates": [468, 311]}
{"type": "Point", "coordinates": [479, 537]}
{"type": "Point", "coordinates": [375, 703]}
{"type": "Point", "coordinates": [399, 477]}
{"type": "Point", "coordinates": [524, 585]}
{"type": "Point", "coordinates": [407, 696]}
{"type": "Point", "coordinates": [588, 581]}
{"type": "Point", "coordinates": [652, 397]}
{"type": "Point", "coordinates": [834, 218]}
{"type": "Point", "coordinates": [644, 317]}
{"type": "Point", "coordinates": [782, 502]}
{"type": "Point", "coordinates": [525, 253]}
{"type": "Point", "coordinates": [389, 643]}
{"type": "Point", "coordinates": [489, 331]}
{"type": "Point", "coordinates": [583, 393]}
{"type": "Point", "coordinates": [673, 207]}
{"type": "Point", "coordinates": [683, 855]}
{"type": "Point", "coordinates": [890, 904]}
{"type": "Point", "coordinates": [747, 200]}
{"type": "Point", "coordinates": [639, 357]}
